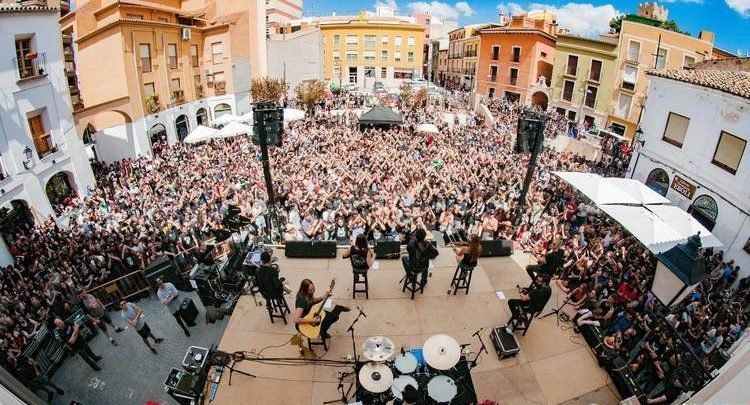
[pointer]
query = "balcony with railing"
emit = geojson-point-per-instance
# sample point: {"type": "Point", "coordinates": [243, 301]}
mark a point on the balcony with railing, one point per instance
{"type": "Point", "coordinates": [470, 54]}
{"type": "Point", "coordinates": [32, 66]}
{"type": "Point", "coordinates": [220, 88]}
{"type": "Point", "coordinates": [178, 97]}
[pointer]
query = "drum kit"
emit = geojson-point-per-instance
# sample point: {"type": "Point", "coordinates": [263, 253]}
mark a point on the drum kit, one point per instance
{"type": "Point", "coordinates": [417, 375]}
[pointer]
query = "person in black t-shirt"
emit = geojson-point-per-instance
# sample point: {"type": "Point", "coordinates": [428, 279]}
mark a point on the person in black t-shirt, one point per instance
{"type": "Point", "coordinates": [67, 334]}
{"type": "Point", "coordinates": [27, 371]}
{"type": "Point", "coordinates": [549, 263]}
{"type": "Point", "coordinates": [533, 299]}
{"type": "Point", "coordinates": [303, 303]}
{"type": "Point", "coordinates": [420, 254]}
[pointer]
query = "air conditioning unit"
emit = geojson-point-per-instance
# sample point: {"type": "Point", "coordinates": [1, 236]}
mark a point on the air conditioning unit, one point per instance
{"type": "Point", "coordinates": [186, 34]}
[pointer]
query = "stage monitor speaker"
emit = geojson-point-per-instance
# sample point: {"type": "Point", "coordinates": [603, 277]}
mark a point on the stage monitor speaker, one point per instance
{"type": "Point", "coordinates": [497, 247]}
{"type": "Point", "coordinates": [387, 249]}
{"type": "Point", "coordinates": [312, 249]}
{"type": "Point", "coordinates": [165, 268]}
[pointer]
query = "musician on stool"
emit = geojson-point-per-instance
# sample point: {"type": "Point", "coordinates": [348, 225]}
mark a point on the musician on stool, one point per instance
{"type": "Point", "coordinates": [420, 254]}
{"type": "Point", "coordinates": [549, 263]}
{"type": "Point", "coordinates": [305, 300]}
{"type": "Point", "coordinates": [360, 255]}
{"type": "Point", "coordinates": [533, 299]}
{"type": "Point", "coordinates": [267, 277]}
{"type": "Point", "coordinates": [467, 256]}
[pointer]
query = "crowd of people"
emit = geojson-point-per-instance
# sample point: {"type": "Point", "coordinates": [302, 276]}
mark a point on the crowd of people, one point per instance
{"type": "Point", "coordinates": [336, 180]}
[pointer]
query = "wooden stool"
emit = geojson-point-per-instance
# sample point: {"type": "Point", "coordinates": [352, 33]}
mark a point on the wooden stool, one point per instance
{"type": "Point", "coordinates": [524, 321]}
{"type": "Point", "coordinates": [360, 278]}
{"type": "Point", "coordinates": [413, 283]}
{"type": "Point", "coordinates": [277, 308]}
{"type": "Point", "coordinates": [462, 279]}
{"type": "Point", "coordinates": [319, 342]}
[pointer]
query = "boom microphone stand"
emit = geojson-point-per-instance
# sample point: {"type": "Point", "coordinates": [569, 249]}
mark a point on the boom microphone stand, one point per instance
{"type": "Point", "coordinates": [557, 310]}
{"type": "Point", "coordinates": [345, 394]}
{"type": "Point", "coordinates": [473, 363]}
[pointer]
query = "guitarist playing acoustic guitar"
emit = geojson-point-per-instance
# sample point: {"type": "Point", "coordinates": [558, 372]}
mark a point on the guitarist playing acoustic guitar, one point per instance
{"type": "Point", "coordinates": [309, 317]}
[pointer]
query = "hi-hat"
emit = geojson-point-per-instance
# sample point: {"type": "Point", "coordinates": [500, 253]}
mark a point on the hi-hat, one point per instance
{"type": "Point", "coordinates": [378, 348]}
{"type": "Point", "coordinates": [375, 377]}
{"type": "Point", "coordinates": [441, 352]}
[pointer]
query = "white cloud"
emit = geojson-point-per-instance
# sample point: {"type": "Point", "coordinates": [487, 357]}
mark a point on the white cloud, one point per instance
{"type": "Point", "coordinates": [683, 1]}
{"type": "Point", "coordinates": [580, 18]}
{"type": "Point", "coordinates": [740, 6]}
{"type": "Point", "coordinates": [441, 10]}
{"type": "Point", "coordinates": [388, 3]}
{"type": "Point", "coordinates": [464, 9]}
{"type": "Point", "coordinates": [510, 8]}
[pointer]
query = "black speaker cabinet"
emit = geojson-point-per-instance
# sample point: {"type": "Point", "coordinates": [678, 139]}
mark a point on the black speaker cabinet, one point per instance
{"type": "Point", "coordinates": [497, 247]}
{"type": "Point", "coordinates": [387, 249]}
{"type": "Point", "coordinates": [311, 249]}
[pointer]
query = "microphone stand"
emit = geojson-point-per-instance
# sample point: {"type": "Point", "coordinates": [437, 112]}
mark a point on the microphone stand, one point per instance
{"type": "Point", "coordinates": [345, 394]}
{"type": "Point", "coordinates": [473, 363]}
{"type": "Point", "coordinates": [557, 310]}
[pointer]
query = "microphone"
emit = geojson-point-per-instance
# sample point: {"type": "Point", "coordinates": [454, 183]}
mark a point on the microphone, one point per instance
{"type": "Point", "coordinates": [361, 312]}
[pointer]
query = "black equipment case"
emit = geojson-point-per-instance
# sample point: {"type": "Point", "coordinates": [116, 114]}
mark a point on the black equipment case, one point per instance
{"type": "Point", "coordinates": [504, 342]}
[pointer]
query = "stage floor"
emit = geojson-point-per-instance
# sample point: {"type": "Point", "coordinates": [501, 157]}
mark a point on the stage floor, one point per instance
{"type": "Point", "coordinates": [554, 366]}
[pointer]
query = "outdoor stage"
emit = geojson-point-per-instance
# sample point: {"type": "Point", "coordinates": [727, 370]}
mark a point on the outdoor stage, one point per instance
{"type": "Point", "coordinates": [554, 365]}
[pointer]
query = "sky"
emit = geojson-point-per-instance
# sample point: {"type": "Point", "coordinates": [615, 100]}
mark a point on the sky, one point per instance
{"type": "Point", "coordinates": [728, 19]}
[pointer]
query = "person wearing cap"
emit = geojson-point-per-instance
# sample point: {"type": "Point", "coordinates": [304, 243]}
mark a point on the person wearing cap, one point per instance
{"type": "Point", "coordinates": [168, 295]}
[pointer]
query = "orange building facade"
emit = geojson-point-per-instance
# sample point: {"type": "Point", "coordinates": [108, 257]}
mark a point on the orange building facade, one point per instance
{"type": "Point", "coordinates": [516, 60]}
{"type": "Point", "coordinates": [142, 71]}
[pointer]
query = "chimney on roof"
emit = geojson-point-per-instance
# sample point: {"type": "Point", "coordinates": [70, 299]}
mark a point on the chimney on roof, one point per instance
{"type": "Point", "coordinates": [707, 36]}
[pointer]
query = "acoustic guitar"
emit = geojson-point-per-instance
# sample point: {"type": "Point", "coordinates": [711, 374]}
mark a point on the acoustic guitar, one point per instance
{"type": "Point", "coordinates": [312, 330]}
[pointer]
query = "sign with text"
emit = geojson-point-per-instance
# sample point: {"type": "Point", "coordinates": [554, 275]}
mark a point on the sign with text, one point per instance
{"type": "Point", "coordinates": [683, 187]}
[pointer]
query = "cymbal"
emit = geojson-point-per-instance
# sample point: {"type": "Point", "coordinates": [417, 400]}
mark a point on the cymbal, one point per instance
{"type": "Point", "coordinates": [375, 377]}
{"type": "Point", "coordinates": [378, 348]}
{"type": "Point", "coordinates": [441, 352]}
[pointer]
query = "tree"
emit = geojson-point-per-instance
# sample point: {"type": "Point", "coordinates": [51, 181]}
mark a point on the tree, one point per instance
{"type": "Point", "coordinates": [268, 90]}
{"type": "Point", "coordinates": [671, 25]}
{"type": "Point", "coordinates": [406, 93]}
{"type": "Point", "coordinates": [616, 23]}
{"type": "Point", "coordinates": [310, 93]}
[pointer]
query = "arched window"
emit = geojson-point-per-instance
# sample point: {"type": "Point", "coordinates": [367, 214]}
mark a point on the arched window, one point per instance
{"type": "Point", "coordinates": [658, 180]}
{"type": "Point", "coordinates": [59, 190]}
{"type": "Point", "coordinates": [182, 127]}
{"type": "Point", "coordinates": [222, 109]}
{"type": "Point", "coordinates": [201, 117]}
{"type": "Point", "coordinates": [705, 210]}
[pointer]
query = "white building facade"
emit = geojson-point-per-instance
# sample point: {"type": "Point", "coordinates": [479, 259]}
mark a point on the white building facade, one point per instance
{"type": "Point", "coordinates": [696, 126]}
{"type": "Point", "coordinates": [43, 159]}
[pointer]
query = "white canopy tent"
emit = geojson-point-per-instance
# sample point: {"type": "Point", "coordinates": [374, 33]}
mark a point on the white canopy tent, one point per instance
{"type": "Point", "coordinates": [225, 119]}
{"type": "Point", "coordinates": [647, 215]}
{"type": "Point", "coordinates": [428, 128]}
{"type": "Point", "coordinates": [200, 133]}
{"type": "Point", "coordinates": [611, 190]}
{"type": "Point", "coordinates": [234, 129]}
{"type": "Point", "coordinates": [293, 114]}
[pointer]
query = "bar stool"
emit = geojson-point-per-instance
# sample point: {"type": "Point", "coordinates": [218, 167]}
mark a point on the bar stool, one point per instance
{"type": "Point", "coordinates": [360, 279]}
{"type": "Point", "coordinates": [413, 282]}
{"type": "Point", "coordinates": [462, 278]}
{"type": "Point", "coordinates": [319, 341]}
{"type": "Point", "coordinates": [277, 308]}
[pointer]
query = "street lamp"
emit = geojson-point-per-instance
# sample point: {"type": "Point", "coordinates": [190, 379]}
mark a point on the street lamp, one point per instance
{"type": "Point", "coordinates": [27, 164]}
{"type": "Point", "coordinates": [679, 271]}
{"type": "Point", "coordinates": [638, 141]}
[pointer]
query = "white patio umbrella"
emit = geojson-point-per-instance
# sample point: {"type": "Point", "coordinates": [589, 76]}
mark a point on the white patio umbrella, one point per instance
{"type": "Point", "coordinates": [293, 114]}
{"type": "Point", "coordinates": [641, 192]}
{"type": "Point", "coordinates": [247, 118]}
{"type": "Point", "coordinates": [684, 224]}
{"type": "Point", "coordinates": [427, 128]}
{"type": "Point", "coordinates": [234, 129]}
{"type": "Point", "coordinates": [225, 119]}
{"type": "Point", "coordinates": [644, 225]}
{"type": "Point", "coordinates": [200, 133]}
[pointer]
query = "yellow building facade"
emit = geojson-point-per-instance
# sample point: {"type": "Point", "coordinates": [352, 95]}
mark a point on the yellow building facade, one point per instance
{"type": "Point", "coordinates": [364, 50]}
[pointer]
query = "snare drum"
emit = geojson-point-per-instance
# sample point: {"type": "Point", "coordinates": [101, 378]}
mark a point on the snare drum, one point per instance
{"type": "Point", "coordinates": [405, 363]}
{"type": "Point", "coordinates": [442, 388]}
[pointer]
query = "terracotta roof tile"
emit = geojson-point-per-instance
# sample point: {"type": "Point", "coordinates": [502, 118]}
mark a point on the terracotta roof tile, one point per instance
{"type": "Point", "coordinates": [728, 81]}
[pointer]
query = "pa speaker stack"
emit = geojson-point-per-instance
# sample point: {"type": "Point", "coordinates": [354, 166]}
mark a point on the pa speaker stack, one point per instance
{"type": "Point", "coordinates": [387, 249]}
